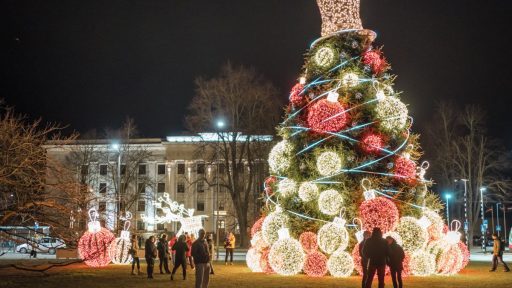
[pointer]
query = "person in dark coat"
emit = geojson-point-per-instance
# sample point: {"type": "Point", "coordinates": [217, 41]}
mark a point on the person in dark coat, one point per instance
{"type": "Point", "coordinates": [377, 251]}
{"type": "Point", "coordinates": [163, 254]}
{"type": "Point", "coordinates": [497, 253]}
{"type": "Point", "coordinates": [150, 255]}
{"type": "Point", "coordinates": [395, 261]}
{"type": "Point", "coordinates": [180, 257]}
{"type": "Point", "coordinates": [201, 257]}
{"type": "Point", "coordinates": [364, 260]}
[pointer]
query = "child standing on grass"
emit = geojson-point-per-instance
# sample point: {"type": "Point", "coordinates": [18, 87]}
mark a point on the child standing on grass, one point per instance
{"type": "Point", "coordinates": [229, 244]}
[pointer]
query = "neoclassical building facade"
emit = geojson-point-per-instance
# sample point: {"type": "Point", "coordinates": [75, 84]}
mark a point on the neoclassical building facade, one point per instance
{"type": "Point", "coordinates": [174, 165]}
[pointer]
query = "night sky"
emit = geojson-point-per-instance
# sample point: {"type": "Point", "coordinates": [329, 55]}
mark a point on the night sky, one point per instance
{"type": "Point", "coordinates": [90, 63]}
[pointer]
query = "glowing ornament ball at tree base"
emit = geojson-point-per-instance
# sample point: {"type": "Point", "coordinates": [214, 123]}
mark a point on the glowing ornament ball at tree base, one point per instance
{"type": "Point", "coordinates": [286, 256]}
{"type": "Point", "coordinates": [435, 230]}
{"type": "Point", "coordinates": [253, 259]}
{"type": "Point", "coordinates": [340, 264]}
{"type": "Point", "coordinates": [414, 236]}
{"type": "Point", "coordinates": [422, 263]}
{"type": "Point", "coordinates": [450, 261]}
{"type": "Point", "coordinates": [120, 248]}
{"type": "Point", "coordinates": [256, 227]}
{"type": "Point", "coordinates": [379, 212]}
{"type": "Point", "coordinates": [465, 254]}
{"type": "Point", "coordinates": [327, 116]}
{"type": "Point", "coordinates": [308, 240]}
{"type": "Point", "coordinates": [264, 262]}
{"type": "Point", "coordinates": [271, 225]}
{"type": "Point", "coordinates": [315, 264]}
{"type": "Point", "coordinates": [93, 246]}
{"type": "Point", "coordinates": [333, 236]}
{"type": "Point", "coordinates": [257, 241]}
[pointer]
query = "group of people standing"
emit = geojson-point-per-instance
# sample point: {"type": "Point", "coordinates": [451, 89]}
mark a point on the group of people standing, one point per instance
{"type": "Point", "coordinates": [183, 251]}
{"type": "Point", "coordinates": [377, 252]}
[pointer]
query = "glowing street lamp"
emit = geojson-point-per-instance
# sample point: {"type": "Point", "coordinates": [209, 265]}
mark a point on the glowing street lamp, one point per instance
{"type": "Point", "coordinates": [484, 228]}
{"type": "Point", "coordinates": [448, 196]}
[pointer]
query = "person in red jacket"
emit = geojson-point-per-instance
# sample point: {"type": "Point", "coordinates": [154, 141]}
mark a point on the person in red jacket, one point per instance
{"type": "Point", "coordinates": [190, 241]}
{"type": "Point", "coordinates": [173, 252]}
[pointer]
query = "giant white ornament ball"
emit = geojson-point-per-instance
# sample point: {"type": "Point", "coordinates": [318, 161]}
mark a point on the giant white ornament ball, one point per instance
{"type": "Point", "coordinates": [330, 202]}
{"type": "Point", "coordinates": [422, 263]}
{"type": "Point", "coordinates": [328, 163]}
{"type": "Point", "coordinates": [332, 237]}
{"type": "Point", "coordinates": [257, 241]}
{"type": "Point", "coordinates": [286, 256]}
{"type": "Point", "coordinates": [120, 251]}
{"type": "Point", "coordinates": [349, 80]}
{"type": "Point", "coordinates": [325, 57]}
{"type": "Point", "coordinates": [279, 159]}
{"type": "Point", "coordinates": [392, 114]}
{"type": "Point", "coordinates": [271, 225]}
{"type": "Point", "coordinates": [340, 264]}
{"type": "Point", "coordinates": [308, 191]}
{"type": "Point", "coordinates": [414, 236]}
{"type": "Point", "coordinates": [253, 258]}
{"type": "Point", "coordinates": [287, 187]}
{"type": "Point", "coordinates": [435, 230]}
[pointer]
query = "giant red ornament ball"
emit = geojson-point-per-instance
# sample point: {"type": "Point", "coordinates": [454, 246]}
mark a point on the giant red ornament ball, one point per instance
{"type": "Point", "coordinates": [372, 143]}
{"type": "Point", "coordinates": [405, 170]}
{"type": "Point", "coordinates": [315, 264]}
{"type": "Point", "coordinates": [308, 240]}
{"type": "Point", "coordinates": [296, 97]}
{"type": "Point", "coordinates": [257, 226]}
{"type": "Point", "coordinates": [379, 212]}
{"type": "Point", "coordinates": [326, 116]}
{"type": "Point", "coordinates": [93, 247]}
{"type": "Point", "coordinates": [375, 60]}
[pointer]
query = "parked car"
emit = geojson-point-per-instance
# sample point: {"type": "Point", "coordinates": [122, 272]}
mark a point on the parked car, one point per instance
{"type": "Point", "coordinates": [44, 245]}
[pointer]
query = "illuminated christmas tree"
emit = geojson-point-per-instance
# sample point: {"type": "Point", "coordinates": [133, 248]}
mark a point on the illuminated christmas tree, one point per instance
{"type": "Point", "coordinates": [348, 162]}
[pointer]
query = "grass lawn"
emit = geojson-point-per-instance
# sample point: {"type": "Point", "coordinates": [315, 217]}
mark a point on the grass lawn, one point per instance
{"type": "Point", "coordinates": [238, 275]}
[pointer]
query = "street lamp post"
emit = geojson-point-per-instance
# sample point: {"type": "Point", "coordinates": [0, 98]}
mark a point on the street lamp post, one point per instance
{"type": "Point", "coordinates": [483, 228]}
{"type": "Point", "coordinates": [117, 148]}
{"type": "Point", "coordinates": [466, 220]}
{"type": "Point", "coordinates": [498, 227]}
{"type": "Point", "coordinates": [448, 196]}
{"type": "Point", "coordinates": [219, 126]}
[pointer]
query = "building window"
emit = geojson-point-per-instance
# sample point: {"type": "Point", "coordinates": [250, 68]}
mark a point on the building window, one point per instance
{"type": "Point", "coordinates": [141, 206]}
{"type": "Point", "coordinates": [102, 206]}
{"type": "Point", "coordinates": [200, 168]}
{"type": "Point", "coordinates": [142, 188]}
{"type": "Point", "coordinates": [181, 168]}
{"type": "Point", "coordinates": [123, 187]}
{"type": "Point", "coordinates": [142, 169]}
{"type": "Point", "coordinates": [222, 224]}
{"type": "Point", "coordinates": [222, 168]}
{"type": "Point", "coordinates": [103, 169]}
{"type": "Point", "coordinates": [200, 186]}
{"type": "Point", "coordinates": [221, 206]}
{"type": "Point", "coordinates": [160, 187]}
{"type": "Point", "coordinates": [140, 225]}
{"type": "Point", "coordinates": [103, 188]}
{"type": "Point", "coordinates": [160, 226]}
{"type": "Point", "coordinates": [123, 169]}
{"type": "Point", "coordinates": [161, 169]}
{"type": "Point", "coordinates": [181, 187]}
{"type": "Point", "coordinates": [200, 206]}
{"type": "Point", "coordinates": [122, 206]}
{"type": "Point", "coordinates": [84, 170]}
